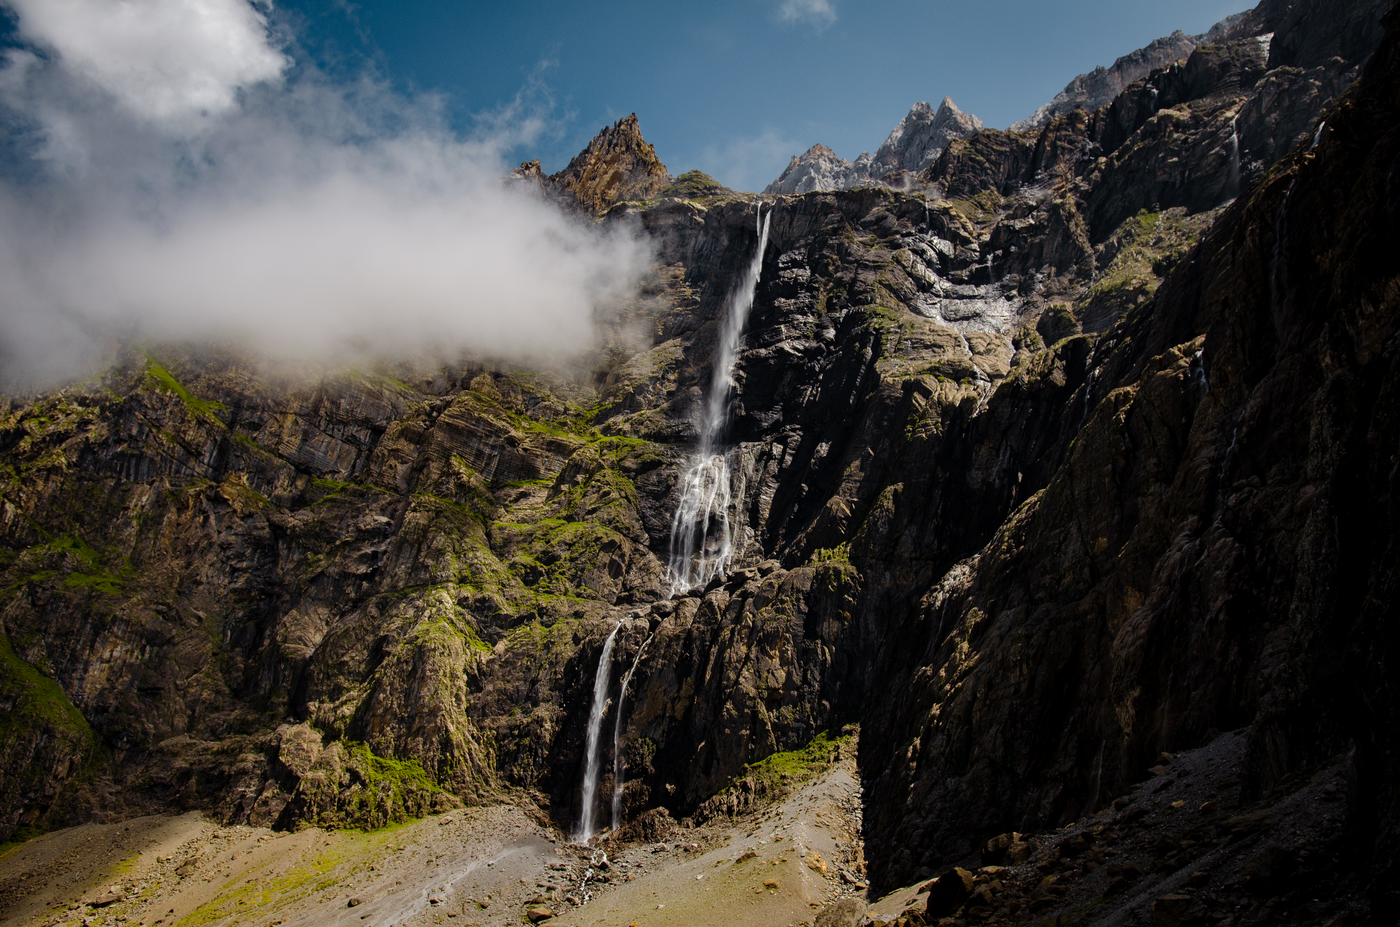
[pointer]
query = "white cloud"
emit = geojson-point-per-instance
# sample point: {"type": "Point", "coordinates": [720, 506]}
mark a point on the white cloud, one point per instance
{"type": "Point", "coordinates": [164, 60]}
{"type": "Point", "coordinates": [818, 13]}
{"type": "Point", "coordinates": [306, 220]}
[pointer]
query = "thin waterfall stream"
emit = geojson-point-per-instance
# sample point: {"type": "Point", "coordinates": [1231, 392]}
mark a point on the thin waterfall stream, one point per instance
{"type": "Point", "coordinates": [617, 737]}
{"type": "Point", "coordinates": [700, 530]}
{"type": "Point", "coordinates": [1235, 174]}
{"type": "Point", "coordinates": [595, 726]}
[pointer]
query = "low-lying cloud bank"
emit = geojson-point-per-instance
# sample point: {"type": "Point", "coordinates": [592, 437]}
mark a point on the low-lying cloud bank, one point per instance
{"type": "Point", "coordinates": [171, 171]}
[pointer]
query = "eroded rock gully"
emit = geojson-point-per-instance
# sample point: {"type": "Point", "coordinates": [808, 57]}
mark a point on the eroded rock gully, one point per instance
{"type": "Point", "coordinates": [1073, 452]}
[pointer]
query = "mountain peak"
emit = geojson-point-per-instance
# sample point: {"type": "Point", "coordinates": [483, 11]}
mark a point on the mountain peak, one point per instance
{"type": "Point", "coordinates": [1098, 87]}
{"type": "Point", "coordinates": [920, 137]}
{"type": "Point", "coordinates": [618, 164]}
{"type": "Point", "coordinates": [816, 169]}
{"type": "Point", "coordinates": [913, 144]}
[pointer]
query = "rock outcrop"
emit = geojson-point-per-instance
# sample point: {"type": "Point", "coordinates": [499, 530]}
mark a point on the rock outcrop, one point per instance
{"type": "Point", "coordinates": [816, 169]}
{"type": "Point", "coordinates": [1315, 33]}
{"type": "Point", "coordinates": [1192, 135]}
{"type": "Point", "coordinates": [920, 137]}
{"type": "Point", "coordinates": [1098, 87]}
{"type": "Point", "coordinates": [617, 165]}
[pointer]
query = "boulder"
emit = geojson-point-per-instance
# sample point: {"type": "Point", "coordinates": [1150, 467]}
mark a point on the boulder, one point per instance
{"type": "Point", "coordinates": [1005, 849]}
{"type": "Point", "coordinates": [111, 896]}
{"type": "Point", "coordinates": [949, 892]}
{"type": "Point", "coordinates": [845, 912]}
{"type": "Point", "coordinates": [1073, 846]}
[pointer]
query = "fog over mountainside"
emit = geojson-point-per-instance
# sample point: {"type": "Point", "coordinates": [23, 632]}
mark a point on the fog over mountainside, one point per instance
{"type": "Point", "coordinates": [1006, 539]}
{"type": "Point", "coordinates": [177, 178]}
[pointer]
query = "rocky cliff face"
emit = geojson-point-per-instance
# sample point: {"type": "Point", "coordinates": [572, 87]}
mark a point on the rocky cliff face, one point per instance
{"type": "Point", "coordinates": [1192, 135]}
{"type": "Point", "coordinates": [914, 144]}
{"type": "Point", "coordinates": [1315, 32]}
{"type": "Point", "coordinates": [1184, 593]}
{"type": "Point", "coordinates": [1073, 451]}
{"type": "Point", "coordinates": [1100, 86]}
{"type": "Point", "coordinates": [818, 168]}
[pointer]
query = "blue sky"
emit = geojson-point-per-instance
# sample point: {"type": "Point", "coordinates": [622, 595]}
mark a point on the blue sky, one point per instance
{"type": "Point", "coordinates": [735, 87]}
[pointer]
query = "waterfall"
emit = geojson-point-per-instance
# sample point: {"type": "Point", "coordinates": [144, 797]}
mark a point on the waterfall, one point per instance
{"type": "Point", "coordinates": [595, 725]}
{"type": "Point", "coordinates": [1278, 262]}
{"type": "Point", "coordinates": [1225, 466]}
{"type": "Point", "coordinates": [700, 541]}
{"type": "Point", "coordinates": [1198, 383]}
{"type": "Point", "coordinates": [1235, 176]}
{"type": "Point", "coordinates": [617, 737]}
{"type": "Point", "coordinates": [1088, 389]}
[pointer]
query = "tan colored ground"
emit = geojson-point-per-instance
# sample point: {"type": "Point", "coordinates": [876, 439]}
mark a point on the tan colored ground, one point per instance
{"type": "Point", "coordinates": [800, 847]}
{"type": "Point", "coordinates": [186, 871]}
{"type": "Point", "coordinates": [483, 866]}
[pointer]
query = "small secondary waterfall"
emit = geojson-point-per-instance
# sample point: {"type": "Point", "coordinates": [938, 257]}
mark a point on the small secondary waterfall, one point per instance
{"type": "Point", "coordinates": [1235, 175]}
{"type": "Point", "coordinates": [700, 541]}
{"type": "Point", "coordinates": [595, 726]}
{"type": "Point", "coordinates": [617, 737]}
{"type": "Point", "coordinates": [1088, 389]}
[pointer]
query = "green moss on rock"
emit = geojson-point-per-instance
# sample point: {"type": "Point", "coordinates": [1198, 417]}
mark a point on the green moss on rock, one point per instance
{"type": "Point", "coordinates": [693, 185]}
{"type": "Point", "coordinates": [44, 740]}
{"type": "Point", "coordinates": [163, 381]}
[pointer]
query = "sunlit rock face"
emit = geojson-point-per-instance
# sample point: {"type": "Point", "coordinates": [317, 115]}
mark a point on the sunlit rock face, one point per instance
{"type": "Point", "coordinates": [920, 137]}
{"type": "Point", "coordinates": [913, 145]}
{"type": "Point", "coordinates": [1066, 450]}
{"type": "Point", "coordinates": [1100, 86]}
{"type": "Point", "coordinates": [816, 169]}
{"type": "Point", "coordinates": [617, 165]}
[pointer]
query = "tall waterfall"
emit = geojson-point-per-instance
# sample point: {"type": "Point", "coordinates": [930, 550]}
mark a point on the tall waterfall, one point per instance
{"type": "Point", "coordinates": [595, 727]}
{"type": "Point", "coordinates": [700, 540]}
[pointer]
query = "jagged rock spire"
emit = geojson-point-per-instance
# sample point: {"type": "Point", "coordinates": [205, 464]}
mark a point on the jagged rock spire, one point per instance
{"type": "Point", "coordinates": [914, 144]}
{"type": "Point", "coordinates": [617, 165]}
